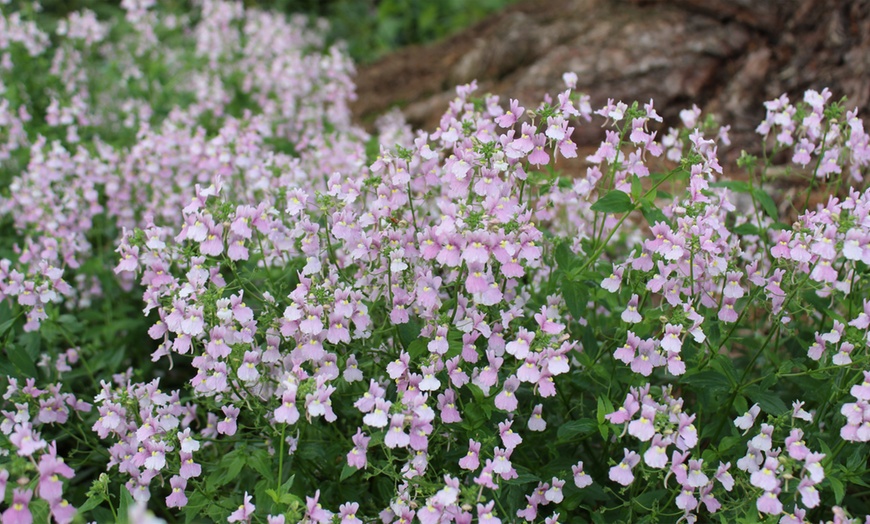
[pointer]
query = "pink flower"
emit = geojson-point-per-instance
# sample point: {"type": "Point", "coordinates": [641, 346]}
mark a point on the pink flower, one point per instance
{"type": "Point", "coordinates": [356, 457]}
{"type": "Point", "coordinates": [50, 469]}
{"type": "Point", "coordinates": [378, 417]}
{"type": "Point", "coordinates": [509, 118]}
{"type": "Point", "coordinates": [485, 514]}
{"type": "Point", "coordinates": [763, 441]}
{"type": "Point", "coordinates": [581, 479]}
{"type": "Point", "coordinates": [554, 494]}
{"type": "Point", "coordinates": [245, 511]}
{"type": "Point", "coordinates": [630, 315]}
{"type": "Point", "coordinates": [396, 437]}
{"type": "Point", "coordinates": [63, 512]}
{"type": "Point", "coordinates": [613, 282]}
{"type": "Point", "coordinates": [287, 413]}
{"type": "Point", "coordinates": [644, 427]}
{"type": "Point", "coordinates": [769, 503]}
{"type": "Point", "coordinates": [547, 321]}
{"type": "Point", "coordinates": [189, 469]}
{"type": "Point", "coordinates": [177, 499]}
{"type": "Point", "coordinates": [507, 400]}
{"type": "Point", "coordinates": [621, 473]}
{"type": "Point", "coordinates": [686, 500]}
{"type": "Point", "coordinates": [471, 461]}
{"type": "Point", "coordinates": [809, 494]}
{"type": "Point", "coordinates": [672, 343]}
{"type": "Point", "coordinates": [228, 425]}
{"type": "Point", "coordinates": [447, 405]}
{"type": "Point", "coordinates": [19, 512]}
{"type": "Point", "coordinates": [26, 440]}
{"type": "Point", "coordinates": [347, 512]}
{"type": "Point", "coordinates": [519, 348]}
{"type": "Point", "coordinates": [746, 420]}
{"type": "Point", "coordinates": [315, 511]}
{"type": "Point", "coordinates": [732, 285]}
{"type": "Point", "coordinates": [862, 391]}
{"type": "Point", "coordinates": [510, 439]}
{"type": "Point", "coordinates": [536, 421]}
{"type": "Point", "coordinates": [657, 454]}
{"type": "Point", "coordinates": [439, 344]}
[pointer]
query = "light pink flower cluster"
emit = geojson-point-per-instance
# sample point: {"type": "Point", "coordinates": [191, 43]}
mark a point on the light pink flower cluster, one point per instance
{"type": "Point", "coordinates": [768, 467]}
{"type": "Point", "coordinates": [148, 437]}
{"type": "Point", "coordinates": [819, 137]}
{"type": "Point", "coordinates": [664, 424]}
{"type": "Point", "coordinates": [857, 428]}
{"type": "Point", "coordinates": [36, 409]}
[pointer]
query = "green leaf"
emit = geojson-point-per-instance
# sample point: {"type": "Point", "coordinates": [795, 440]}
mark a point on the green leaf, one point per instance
{"type": "Point", "coordinates": [746, 229]}
{"type": "Point", "coordinates": [575, 297]}
{"type": "Point", "coordinates": [32, 345]}
{"type": "Point", "coordinates": [766, 203]}
{"type": "Point", "coordinates": [604, 408]}
{"type": "Point", "coordinates": [726, 443]}
{"type": "Point", "coordinates": [857, 459]}
{"type": "Point", "coordinates": [708, 381]}
{"type": "Point", "coordinates": [260, 461]}
{"type": "Point", "coordinates": [346, 472]}
{"type": "Point", "coordinates": [725, 365]}
{"type": "Point", "coordinates": [734, 185]}
{"type": "Point", "coordinates": [22, 361]}
{"type": "Point", "coordinates": [281, 498]}
{"type": "Point", "coordinates": [768, 401]}
{"type": "Point", "coordinates": [636, 187]}
{"type": "Point", "coordinates": [4, 327]}
{"type": "Point", "coordinates": [230, 466]}
{"type": "Point", "coordinates": [524, 476]}
{"type": "Point", "coordinates": [574, 428]}
{"type": "Point", "coordinates": [409, 331]}
{"type": "Point", "coordinates": [613, 202]}
{"type": "Point", "coordinates": [652, 213]}
{"type": "Point", "coordinates": [646, 500]}
{"type": "Point", "coordinates": [565, 258]}
{"type": "Point", "coordinates": [418, 348]}
{"type": "Point", "coordinates": [90, 503]}
{"type": "Point", "coordinates": [124, 505]}
{"type": "Point", "coordinates": [838, 488]}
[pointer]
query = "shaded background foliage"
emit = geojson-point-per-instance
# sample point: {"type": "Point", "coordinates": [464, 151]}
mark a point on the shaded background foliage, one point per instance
{"type": "Point", "coordinates": [371, 28]}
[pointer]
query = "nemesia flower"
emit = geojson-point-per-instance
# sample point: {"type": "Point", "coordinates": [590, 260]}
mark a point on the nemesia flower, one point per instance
{"type": "Point", "coordinates": [19, 512]}
{"type": "Point", "coordinates": [228, 426]}
{"type": "Point", "coordinates": [769, 503]}
{"type": "Point", "coordinates": [485, 514]}
{"type": "Point", "coordinates": [315, 512]}
{"type": "Point", "coordinates": [581, 479]}
{"type": "Point", "coordinates": [177, 499]}
{"type": "Point", "coordinates": [348, 512]}
{"type": "Point", "coordinates": [471, 460]}
{"type": "Point", "coordinates": [547, 321]}
{"type": "Point", "coordinates": [621, 473]}
{"type": "Point", "coordinates": [536, 420]}
{"type": "Point", "coordinates": [747, 420]}
{"type": "Point", "coordinates": [244, 512]}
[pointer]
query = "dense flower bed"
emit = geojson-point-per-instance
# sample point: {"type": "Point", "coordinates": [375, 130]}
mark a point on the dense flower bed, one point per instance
{"type": "Point", "coordinates": [220, 300]}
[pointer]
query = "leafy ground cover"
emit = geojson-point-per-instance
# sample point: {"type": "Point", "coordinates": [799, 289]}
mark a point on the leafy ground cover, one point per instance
{"type": "Point", "coordinates": [220, 300]}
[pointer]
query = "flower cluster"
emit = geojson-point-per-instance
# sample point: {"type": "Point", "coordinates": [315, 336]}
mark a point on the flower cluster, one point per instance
{"type": "Point", "coordinates": [771, 470]}
{"type": "Point", "coordinates": [664, 424]}
{"type": "Point", "coordinates": [36, 465]}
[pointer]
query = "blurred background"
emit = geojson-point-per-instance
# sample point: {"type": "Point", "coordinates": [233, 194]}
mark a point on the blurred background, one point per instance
{"type": "Point", "coordinates": [371, 28]}
{"type": "Point", "coordinates": [725, 56]}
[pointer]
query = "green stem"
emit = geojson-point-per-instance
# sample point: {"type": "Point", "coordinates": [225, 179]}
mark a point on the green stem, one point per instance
{"type": "Point", "coordinates": [594, 257]}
